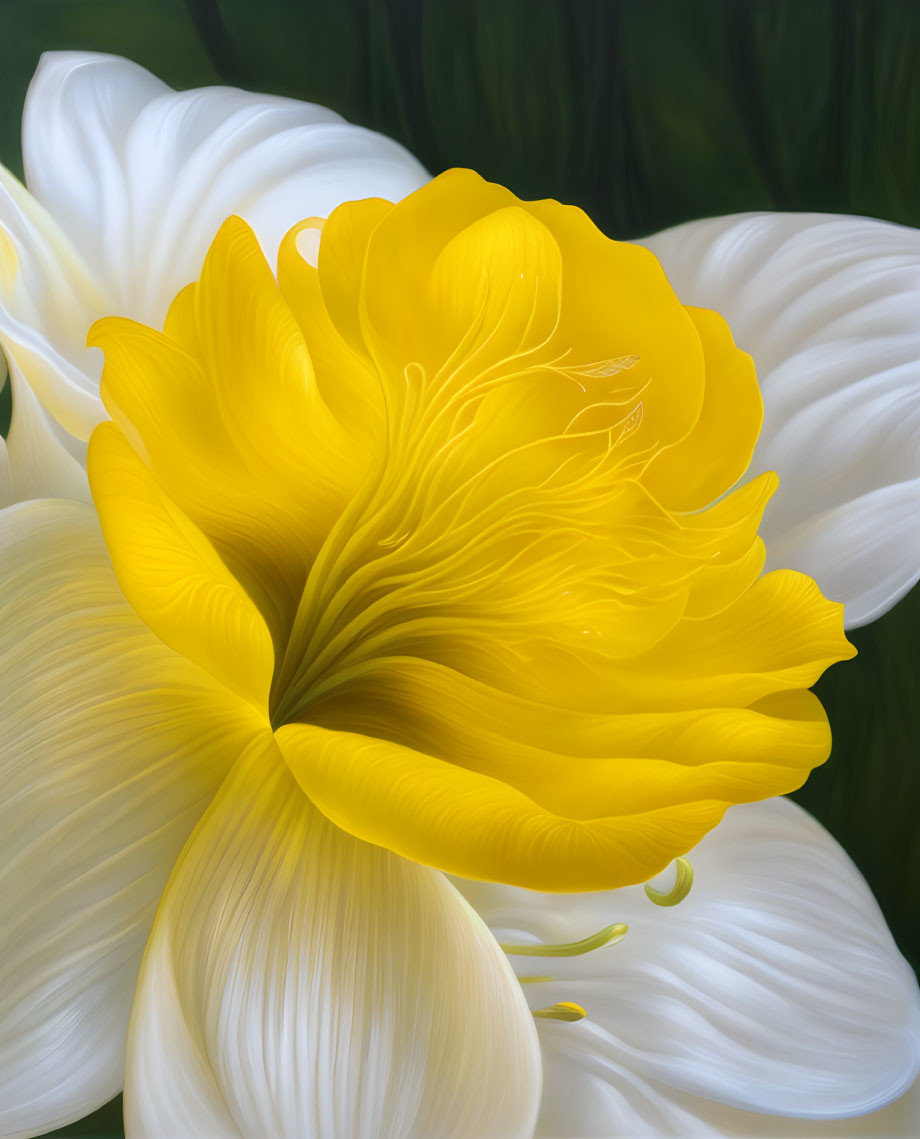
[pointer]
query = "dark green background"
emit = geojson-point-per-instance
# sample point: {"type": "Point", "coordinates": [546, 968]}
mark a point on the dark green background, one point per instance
{"type": "Point", "coordinates": [645, 113]}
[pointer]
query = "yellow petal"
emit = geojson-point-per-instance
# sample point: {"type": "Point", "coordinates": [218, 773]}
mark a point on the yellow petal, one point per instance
{"type": "Point", "coordinates": [581, 764]}
{"type": "Point", "coordinates": [172, 575]}
{"type": "Point", "coordinates": [348, 383]}
{"type": "Point", "coordinates": [443, 815]}
{"type": "Point", "coordinates": [229, 416]}
{"type": "Point", "coordinates": [717, 452]}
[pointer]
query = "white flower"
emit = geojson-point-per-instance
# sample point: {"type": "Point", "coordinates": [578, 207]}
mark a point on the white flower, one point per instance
{"type": "Point", "coordinates": [294, 1003]}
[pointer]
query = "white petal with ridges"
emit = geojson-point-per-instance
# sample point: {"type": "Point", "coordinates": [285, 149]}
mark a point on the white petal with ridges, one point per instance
{"type": "Point", "coordinates": [828, 308]}
{"type": "Point", "coordinates": [110, 748]}
{"type": "Point", "coordinates": [774, 988]}
{"type": "Point", "coordinates": [141, 177]}
{"type": "Point", "coordinates": [305, 985]}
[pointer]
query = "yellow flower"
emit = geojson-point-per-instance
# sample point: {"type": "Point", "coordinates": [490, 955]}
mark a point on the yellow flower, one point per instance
{"type": "Point", "coordinates": [453, 515]}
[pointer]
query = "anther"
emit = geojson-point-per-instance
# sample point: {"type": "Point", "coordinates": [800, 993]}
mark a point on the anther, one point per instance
{"type": "Point", "coordinates": [564, 1010]}
{"type": "Point", "coordinates": [678, 891]}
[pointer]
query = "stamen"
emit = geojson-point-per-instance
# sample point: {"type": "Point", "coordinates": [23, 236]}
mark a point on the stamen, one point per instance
{"type": "Point", "coordinates": [609, 935]}
{"type": "Point", "coordinates": [564, 1010]}
{"type": "Point", "coordinates": [534, 979]}
{"type": "Point", "coordinates": [678, 891]}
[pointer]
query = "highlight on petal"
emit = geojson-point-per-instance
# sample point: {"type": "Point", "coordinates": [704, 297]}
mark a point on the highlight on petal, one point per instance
{"type": "Point", "coordinates": [476, 471]}
{"type": "Point", "coordinates": [111, 746]}
{"type": "Point", "coordinates": [827, 307]}
{"type": "Point", "coordinates": [774, 987]}
{"type": "Point", "coordinates": [299, 982]}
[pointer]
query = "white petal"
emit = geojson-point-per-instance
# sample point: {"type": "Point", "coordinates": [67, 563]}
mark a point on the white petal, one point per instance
{"type": "Point", "coordinates": [305, 985]}
{"type": "Point", "coordinates": [141, 177]}
{"type": "Point", "coordinates": [827, 306]}
{"type": "Point", "coordinates": [110, 748]}
{"type": "Point", "coordinates": [48, 299]}
{"type": "Point", "coordinates": [775, 987]}
{"type": "Point", "coordinates": [41, 454]}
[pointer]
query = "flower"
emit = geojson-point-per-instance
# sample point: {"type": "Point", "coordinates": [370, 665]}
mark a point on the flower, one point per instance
{"type": "Point", "coordinates": [459, 553]}
{"type": "Point", "coordinates": [299, 980]}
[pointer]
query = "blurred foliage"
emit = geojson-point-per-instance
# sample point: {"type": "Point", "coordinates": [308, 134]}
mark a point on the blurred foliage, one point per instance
{"type": "Point", "coordinates": [646, 113]}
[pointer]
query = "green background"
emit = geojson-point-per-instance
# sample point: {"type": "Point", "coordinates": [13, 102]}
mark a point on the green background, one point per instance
{"type": "Point", "coordinates": [646, 113]}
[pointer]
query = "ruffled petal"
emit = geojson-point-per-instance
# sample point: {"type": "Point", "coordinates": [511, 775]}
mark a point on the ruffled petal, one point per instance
{"type": "Point", "coordinates": [827, 306]}
{"type": "Point", "coordinates": [304, 985]}
{"type": "Point", "coordinates": [774, 988]}
{"type": "Point", "coordinates": [110, 748]}
{"type": "Point", "coordinates": [271, 473]}
{"type": "Point", "coordinates": [141, 177]}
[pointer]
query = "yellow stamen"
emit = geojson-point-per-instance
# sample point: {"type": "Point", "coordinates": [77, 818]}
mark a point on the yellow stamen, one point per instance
{"type": "Point", "coordinates": [609, 935]}
{"type": "Point", "coordinates": [678, 891]}
{"type": "Point", "coordinates": [534, 979]}
{"type": "Point", "coordinates": [564, 1010]}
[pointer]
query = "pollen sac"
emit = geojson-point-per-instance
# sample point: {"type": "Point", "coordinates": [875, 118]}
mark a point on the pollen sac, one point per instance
{"type": "Point", "coordinates": [457, 503]}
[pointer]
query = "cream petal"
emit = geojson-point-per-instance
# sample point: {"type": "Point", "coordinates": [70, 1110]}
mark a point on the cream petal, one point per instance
{"type": "Point", "coordinates": [827, 306]}
{"type": "Point", "coordinates": [110, 748]}
{"type": "Point", "coordinates": [305, 985]}
{"type": "Point", "coordinates": [775, 987]}
{"type": "Point", "coordinates": [141, 177]}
